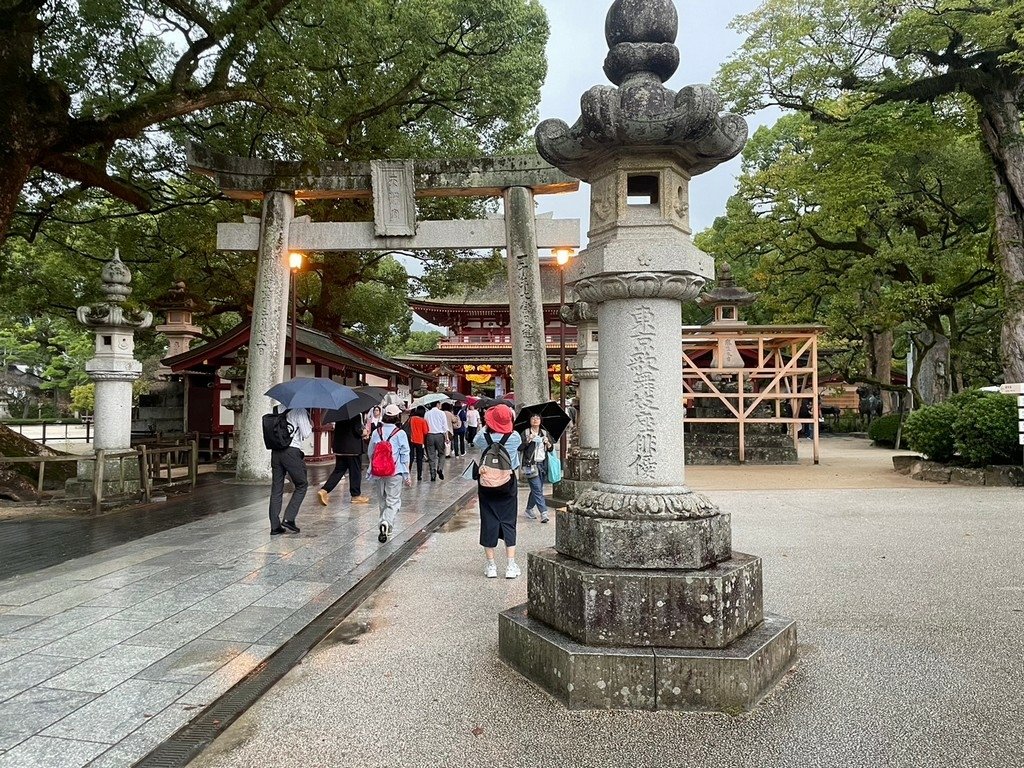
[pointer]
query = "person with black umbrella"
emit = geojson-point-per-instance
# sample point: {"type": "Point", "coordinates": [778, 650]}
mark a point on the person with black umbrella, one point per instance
{"type": "Point", "coordinates": [348, 459]}
{"type": "Point", "coordinates": [289, 461]}
{"type": "Point", "coordinates": [536, 444]}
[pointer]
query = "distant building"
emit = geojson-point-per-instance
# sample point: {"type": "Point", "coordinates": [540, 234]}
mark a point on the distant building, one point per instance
{"type": "Point", "coordinates": [476, 355]}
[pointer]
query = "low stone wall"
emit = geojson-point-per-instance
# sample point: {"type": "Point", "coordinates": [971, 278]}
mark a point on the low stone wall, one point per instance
{"type": "Point", "coordinates": [919, 468]}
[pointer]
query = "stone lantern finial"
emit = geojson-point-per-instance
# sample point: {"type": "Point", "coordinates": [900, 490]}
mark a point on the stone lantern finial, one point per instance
{"type": "Point", "coordinates": [642, 112]}
{"type": "Point", "coordinates": [117, 279]}
{"type": "Point", "coordinates": [641, 40]}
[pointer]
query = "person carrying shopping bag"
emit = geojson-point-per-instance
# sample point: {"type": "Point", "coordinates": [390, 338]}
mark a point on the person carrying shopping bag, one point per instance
{"type": "Point", "coordinates": [535, 447]}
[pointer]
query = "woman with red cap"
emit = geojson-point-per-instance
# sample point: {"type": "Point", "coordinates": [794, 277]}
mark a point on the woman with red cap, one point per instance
{"type": "Point", "coordinates": [499, 504]}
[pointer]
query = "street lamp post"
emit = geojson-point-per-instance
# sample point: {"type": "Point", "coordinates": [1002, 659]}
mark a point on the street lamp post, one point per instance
{"type": "Point", "coordinates": [295, 262]}
{"type": "Point", "coordinates": [562, 257]}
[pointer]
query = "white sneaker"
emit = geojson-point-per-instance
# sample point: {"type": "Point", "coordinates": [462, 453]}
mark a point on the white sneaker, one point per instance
{"type": "Point", "coordinates": [491, 572]}
{"type": "Point", "coordinates": [512, 570]}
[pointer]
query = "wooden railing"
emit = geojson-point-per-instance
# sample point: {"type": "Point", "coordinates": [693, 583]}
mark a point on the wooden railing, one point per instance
{"type": "Point", "coordinates": [157, 459]}
{"type": "Point", "coordinates": [157, 465]}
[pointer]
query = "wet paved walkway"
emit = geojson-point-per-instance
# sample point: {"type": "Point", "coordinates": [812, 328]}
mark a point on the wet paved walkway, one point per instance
{"type": "Point", "coordinates": [104, 657]}
{"type": "Point", "coordinates": [30, 543]}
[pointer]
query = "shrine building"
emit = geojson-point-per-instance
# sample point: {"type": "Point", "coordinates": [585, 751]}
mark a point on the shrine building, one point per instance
{"type": "Point", "coordinates": [476, 355]}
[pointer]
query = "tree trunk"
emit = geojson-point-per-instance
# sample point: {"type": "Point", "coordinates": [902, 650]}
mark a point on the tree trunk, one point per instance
{"type": "Point", "coordinates": [883, 343]}
{"type": "Point", "coordinates": [13, 174]}
{"type": "Point", "coordinates": [33, 111]}
{"type": "Point", "coordinates": [1001, 128]}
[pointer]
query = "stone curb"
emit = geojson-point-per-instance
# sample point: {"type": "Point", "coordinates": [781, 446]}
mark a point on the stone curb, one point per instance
{"type": "Point", "coordinates": [997, 476]}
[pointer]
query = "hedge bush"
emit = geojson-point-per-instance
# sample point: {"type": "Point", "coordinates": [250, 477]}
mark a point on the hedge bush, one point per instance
{"type": "Point", "coordinates": [985, 431]}
{"type": "Point", "coordinates": [849, 421]}
{"type": "Point", "coordinates": [979, 428]}
{"type": "Point", "coordinates": [883, 429]}
{"type": "Point", "coordinates": [930, 431]}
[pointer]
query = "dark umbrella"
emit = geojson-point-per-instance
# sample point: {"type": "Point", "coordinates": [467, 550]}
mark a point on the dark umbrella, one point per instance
{"type": "Point", "coordinates": [552, 418]}
{"type": "Point", "coordinates": [311, 393]}
{"type": "Point", "coordinates": [379, 392]}
{"type": "Point", "coordinates": [457, 396]}
{"type": "Point", "coordinates": [353, 408]}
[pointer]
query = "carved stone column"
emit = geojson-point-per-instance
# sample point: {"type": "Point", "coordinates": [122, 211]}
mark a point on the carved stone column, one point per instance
{"type": "Point", "coordinates": [582, 461]}
{"type": "Point", "coordinates": [267, 337]}
{"type": "Point", "coordinates": [642, 604]}
{"type": "Point", "coordinates": [529, 347]}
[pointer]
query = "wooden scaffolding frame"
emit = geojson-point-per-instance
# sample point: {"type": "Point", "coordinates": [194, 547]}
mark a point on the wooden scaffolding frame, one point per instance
{"type": "Point", "coordinates": [786, 369]}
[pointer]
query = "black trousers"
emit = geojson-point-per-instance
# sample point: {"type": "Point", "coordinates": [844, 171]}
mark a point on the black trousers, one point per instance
{"type": "Point", "coordinates": [459, 445]}
{"type": "Point", "coordinates": [353, 465]}
{"type": "Point", "coordinates": [419, 453]}
{"type": "Point", "coordinates": [470, 435]}
{"type": "Point", "coordinates": [292, 463]}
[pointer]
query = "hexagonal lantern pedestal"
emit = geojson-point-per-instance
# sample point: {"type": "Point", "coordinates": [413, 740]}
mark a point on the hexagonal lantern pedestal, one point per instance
{"type": "Point", "coordinates": [730, 680]}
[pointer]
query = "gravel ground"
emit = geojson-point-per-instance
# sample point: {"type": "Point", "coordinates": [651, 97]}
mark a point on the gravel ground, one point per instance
{"type": "Point", "coordinates": [910, 610]}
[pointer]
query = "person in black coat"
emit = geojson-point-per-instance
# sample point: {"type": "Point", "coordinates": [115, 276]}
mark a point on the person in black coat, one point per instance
{"type": "Point", "coordinates": [348, 458]}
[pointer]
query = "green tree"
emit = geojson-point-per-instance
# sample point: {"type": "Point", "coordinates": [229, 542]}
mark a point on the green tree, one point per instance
{"type": "Point", "coordinates": [834, 58]}
{"type": "Point", "coordinates": [874, 226]}
{"type": "Point", "coordinates": [417, 341]}
{"type": "Point", "coordinates": [130, 81]}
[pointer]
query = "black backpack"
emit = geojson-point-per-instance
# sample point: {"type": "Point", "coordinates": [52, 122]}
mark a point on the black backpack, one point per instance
{"type": "Point", "coordinates": [277, 432]}
{"type": "Point", "coordinates": [495, 463]}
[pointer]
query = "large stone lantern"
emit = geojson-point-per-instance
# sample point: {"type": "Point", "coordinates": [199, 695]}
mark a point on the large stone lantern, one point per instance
{"type": "Point", "coordinates": [642, 604]}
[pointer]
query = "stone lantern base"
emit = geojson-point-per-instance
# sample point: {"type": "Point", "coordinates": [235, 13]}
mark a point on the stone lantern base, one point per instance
{"type": "Point", "coordinates": [647, 614]}
{"type": "Point", "coordinates": [731, 679]}
{"type": "Point", "coordinates": [122, 476]}
{"type": "Point", "coordinates": [582, 469]}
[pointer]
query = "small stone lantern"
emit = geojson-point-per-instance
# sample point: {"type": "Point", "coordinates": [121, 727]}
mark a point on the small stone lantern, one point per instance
{"type": "Point", "coordinates": [726, 300]}
{"type": "Point", "coordinates": [114, 367]}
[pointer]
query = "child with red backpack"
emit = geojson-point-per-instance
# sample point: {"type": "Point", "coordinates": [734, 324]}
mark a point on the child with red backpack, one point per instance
{"type": "Point", "coordinates": [389, 467]}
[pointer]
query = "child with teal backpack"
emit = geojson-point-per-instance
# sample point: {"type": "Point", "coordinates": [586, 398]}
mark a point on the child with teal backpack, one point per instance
{"type": "Point", "coordinates": [389, 467]}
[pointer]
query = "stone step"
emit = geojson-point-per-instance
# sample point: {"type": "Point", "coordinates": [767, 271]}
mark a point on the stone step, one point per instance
{"type": "Point", "coordinates": [733, 441]}
{"type": "Point", "coordinates": [696, 456]}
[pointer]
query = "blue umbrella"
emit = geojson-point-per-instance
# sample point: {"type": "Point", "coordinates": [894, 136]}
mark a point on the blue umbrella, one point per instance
{"type": "Point", "coordinates": [311, 393]}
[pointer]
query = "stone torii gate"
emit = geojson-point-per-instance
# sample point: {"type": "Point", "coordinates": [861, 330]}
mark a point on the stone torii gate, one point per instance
{"type": "Point", "coordinates": [393, 186]}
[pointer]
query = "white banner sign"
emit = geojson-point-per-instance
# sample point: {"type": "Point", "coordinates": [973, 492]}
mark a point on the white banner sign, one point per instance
{"type": "Point", "coordinates": [1006, 389]}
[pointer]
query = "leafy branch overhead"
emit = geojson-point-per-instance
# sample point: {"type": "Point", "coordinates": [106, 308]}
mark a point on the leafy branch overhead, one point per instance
{"type": "Point", "coordinates": [101, 95]}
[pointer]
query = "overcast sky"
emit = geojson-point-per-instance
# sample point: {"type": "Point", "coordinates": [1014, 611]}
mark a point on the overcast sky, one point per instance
{"type": "Point", "coordinates": [576, 53]}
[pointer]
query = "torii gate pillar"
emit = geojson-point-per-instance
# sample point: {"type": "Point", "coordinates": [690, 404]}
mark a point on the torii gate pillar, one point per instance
{"type": "Point", "coordinates": [267, 337]}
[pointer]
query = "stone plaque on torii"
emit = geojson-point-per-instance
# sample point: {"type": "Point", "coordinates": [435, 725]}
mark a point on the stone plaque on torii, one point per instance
{"type": "Point", "coordinates": [393, 186]}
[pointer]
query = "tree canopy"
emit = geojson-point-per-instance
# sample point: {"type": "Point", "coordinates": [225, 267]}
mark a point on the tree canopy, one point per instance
{"type": "Point", "coordinates": [874, 227]}
{"type": "Point", "coordinates": [101, 95]}
{"type": "Point", "coordinates": [832, 59]}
